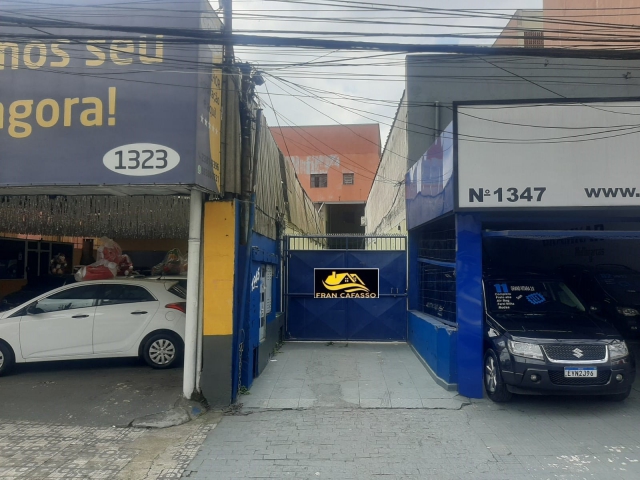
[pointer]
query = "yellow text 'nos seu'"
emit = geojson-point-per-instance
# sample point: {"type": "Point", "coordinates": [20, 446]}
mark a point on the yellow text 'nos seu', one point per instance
{"type": "Point", "coordinates": [20, 116]}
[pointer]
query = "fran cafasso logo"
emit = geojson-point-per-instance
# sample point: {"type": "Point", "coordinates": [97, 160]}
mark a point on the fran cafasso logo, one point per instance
{"type": "Point", "coordinates": [348, 283]}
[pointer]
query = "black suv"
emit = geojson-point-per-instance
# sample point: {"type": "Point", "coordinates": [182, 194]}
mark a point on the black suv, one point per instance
{"type": "Point", "coordinates": [614, 290]}
{"type": "Point", "coordinates": [540, 339]}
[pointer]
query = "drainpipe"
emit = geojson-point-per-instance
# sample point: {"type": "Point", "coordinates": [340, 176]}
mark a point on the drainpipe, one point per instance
{"type": "Point", "coordinates": [436, 130]}
{"type": "Point", "coordinates": [200, 324]}
{"type": "Point", "coordinates": [193, 287]}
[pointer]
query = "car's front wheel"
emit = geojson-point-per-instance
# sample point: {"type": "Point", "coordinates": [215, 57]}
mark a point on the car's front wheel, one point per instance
{"type": "Point", "coordinates": [6, 359]}
{"type": "Point", "coordinates": [493, 383]}
{"type": "Point", "coordinates": [162, 350]}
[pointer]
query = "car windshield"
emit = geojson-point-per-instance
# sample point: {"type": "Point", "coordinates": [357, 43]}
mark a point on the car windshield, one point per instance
{"type": "Point", "coordinates": [531, 297]}
{"type": "Point", "coordinates": [624, 287]}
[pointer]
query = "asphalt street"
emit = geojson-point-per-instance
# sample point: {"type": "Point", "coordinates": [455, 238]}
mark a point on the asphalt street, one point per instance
{"type": "Point", "coordinates": [98, 393]}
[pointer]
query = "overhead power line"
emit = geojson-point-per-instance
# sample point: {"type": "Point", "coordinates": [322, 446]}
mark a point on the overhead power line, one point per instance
{"type": "Point", "coordinates": [605, 131]}
{"type": "Point", "coordinates": [203, 36]}
{"type": "Point", "coordinates": [185, 38]}
{"type": "Point", "coordinates": [215, 38]}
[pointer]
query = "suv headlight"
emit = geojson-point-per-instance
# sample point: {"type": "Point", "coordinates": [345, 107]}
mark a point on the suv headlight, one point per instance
{"type": "Point", "coordinates": [529, 350]}
{"type": "Point", "coordinates": [628, 312]}
{"type": "Point", "coordinates": [618, 349]}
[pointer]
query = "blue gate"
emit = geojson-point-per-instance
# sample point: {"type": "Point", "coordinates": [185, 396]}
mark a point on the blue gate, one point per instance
{"type": "Point", "coordinates": [339, 263]}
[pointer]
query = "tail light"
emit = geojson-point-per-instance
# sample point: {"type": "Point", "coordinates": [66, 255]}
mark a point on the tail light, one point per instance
{"type": "Point", "coordinates": [180, 306]}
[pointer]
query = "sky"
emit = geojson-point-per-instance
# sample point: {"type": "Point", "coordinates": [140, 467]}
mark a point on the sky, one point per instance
{"type": "Point", "coordinates": [327, 87]}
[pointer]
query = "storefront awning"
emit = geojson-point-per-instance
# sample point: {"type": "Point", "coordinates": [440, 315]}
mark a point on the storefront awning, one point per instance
{"type": "Point", "coordinates": [142, 217]}
{"type": "Point", "coordinates": [558, 234]}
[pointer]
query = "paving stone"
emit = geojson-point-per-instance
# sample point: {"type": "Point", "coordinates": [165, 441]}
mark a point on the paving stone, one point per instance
{"type": "Point", "coordinates": [450, 437]}
{"type": "Point", "coordinates": [39, 451]}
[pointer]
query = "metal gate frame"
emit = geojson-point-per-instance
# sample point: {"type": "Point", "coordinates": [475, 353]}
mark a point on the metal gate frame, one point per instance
{"type": "Point", "coordinates": [344, 243]}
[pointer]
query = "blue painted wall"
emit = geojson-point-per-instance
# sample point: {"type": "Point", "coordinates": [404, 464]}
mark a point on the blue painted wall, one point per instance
{"type": "Point", "coordinates": [263, 251]}
{"type": "Point", "coordinates": [436, 343]}
{"type": "Point", "coordinates": [469, 308]}
{"type": "Point", "coordinates": [453, 353]}
{"type": "Point", "coordinates": [266, 251]}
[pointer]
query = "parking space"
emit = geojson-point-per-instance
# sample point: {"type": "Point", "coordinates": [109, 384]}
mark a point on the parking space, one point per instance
{"type": "Point", "coordinates": [98, 393]}
{"type": "Point", "coordinates": [598, 263]}
{"type": "Point", "coordinates": [354, 375]}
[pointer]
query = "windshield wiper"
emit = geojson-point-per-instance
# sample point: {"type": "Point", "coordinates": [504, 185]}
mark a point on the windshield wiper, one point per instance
{"type": "Point", "coordinates": [516, 312]}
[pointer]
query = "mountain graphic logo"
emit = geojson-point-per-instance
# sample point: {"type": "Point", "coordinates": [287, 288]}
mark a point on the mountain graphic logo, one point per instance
{"type": "Point", "coordinates": [345, 282]}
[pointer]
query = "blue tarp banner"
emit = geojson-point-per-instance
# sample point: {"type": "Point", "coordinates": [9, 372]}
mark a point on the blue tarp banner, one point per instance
{"type": "Point", "coordinates": [101, 94]}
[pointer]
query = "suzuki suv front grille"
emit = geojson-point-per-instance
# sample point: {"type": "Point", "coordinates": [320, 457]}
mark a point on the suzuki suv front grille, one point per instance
{"type": "Point", "coordinates": [574, 353]}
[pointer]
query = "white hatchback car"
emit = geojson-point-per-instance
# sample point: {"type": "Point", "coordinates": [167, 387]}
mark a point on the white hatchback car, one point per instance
{"type": "Point", "coordinates": [98, 319]}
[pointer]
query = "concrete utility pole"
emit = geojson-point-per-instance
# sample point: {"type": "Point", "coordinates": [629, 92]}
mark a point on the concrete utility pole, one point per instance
{"type": "Point", "coordinates": [227, 17]}
{"type": "Point", "coordinates": [246, 154]}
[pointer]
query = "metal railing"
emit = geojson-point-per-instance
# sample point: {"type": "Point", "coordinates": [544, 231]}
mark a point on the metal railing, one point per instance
{"type": "Point", "coordinates": [346, 242]}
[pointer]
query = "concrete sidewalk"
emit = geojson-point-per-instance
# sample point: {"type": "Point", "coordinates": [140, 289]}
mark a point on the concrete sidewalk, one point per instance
{"type": "Point", "coordinates": [366, 375]}
{"type": "Point", "coordinates": [338, 438]}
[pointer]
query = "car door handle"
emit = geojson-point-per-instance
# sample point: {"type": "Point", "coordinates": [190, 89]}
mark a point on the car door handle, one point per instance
{"type": "Point", "coordinates": [138, 312]}
{"type": "Point", "coordinates": [80, 316]}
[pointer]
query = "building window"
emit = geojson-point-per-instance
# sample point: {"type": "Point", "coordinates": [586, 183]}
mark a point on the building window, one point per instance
{"type": "Point", "coordinates": [533, 39]}
{"type": "Point", "coordinates": [318, 180]}
{"type": "Point", "coordinates": [349, 217]}
{"type": "Point", "coordinates": [438, 291]}
{"type": "Point", "coordinates": [11, 259]}
{"type": "Point", "coordinates": [436, 266]}
{"type": "Point", "coordinates": [347, 178]}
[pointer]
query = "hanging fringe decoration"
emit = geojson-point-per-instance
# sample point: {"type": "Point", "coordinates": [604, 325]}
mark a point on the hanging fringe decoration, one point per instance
{"type": "Point", "coordinates": [139, 217]}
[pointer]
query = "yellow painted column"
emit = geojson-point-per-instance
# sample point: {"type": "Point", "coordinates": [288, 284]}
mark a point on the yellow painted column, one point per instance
{"type": "Point", "coordinates": [219, 257]}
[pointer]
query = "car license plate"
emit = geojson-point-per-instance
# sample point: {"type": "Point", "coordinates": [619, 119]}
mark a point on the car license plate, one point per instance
{"type": "Point", "coordinates": [580, 372]}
